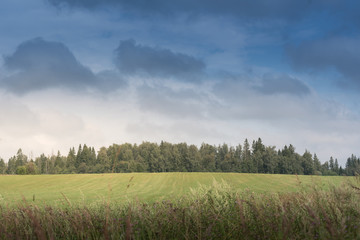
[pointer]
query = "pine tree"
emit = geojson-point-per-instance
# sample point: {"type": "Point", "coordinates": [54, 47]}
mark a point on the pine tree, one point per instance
{"type": "Point", "coordinates": [238, 158]}
{"type": "Point", "coordinates": [332, 164]}
{"type": "Point", "coordinates": [317, 165]}
{"type": "Point", "coordinates": [2, 166]}
{"type": "Point", "coordinates": [336, 167]}
{"type": "Point", "coordinates": [247, 164]}
{"type": "Point", "coordinates": [258, 151]}
{"type": "Point", "coordinates": [78, 157]}
{"type": "Point", "coordinates": [71, 161]}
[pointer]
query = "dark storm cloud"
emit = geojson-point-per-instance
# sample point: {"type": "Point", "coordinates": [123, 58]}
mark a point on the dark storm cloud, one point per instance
{"type": "Point", "coordinates": [282, 84]}
{"type": "Point", "coordinates": [38, 64]}
{"type": "Point", "coordinates": [256, 8]}
{"type": "Point", "coordinates": [340, 53]}
{"type": "Point", "coordinates": [132, 58]}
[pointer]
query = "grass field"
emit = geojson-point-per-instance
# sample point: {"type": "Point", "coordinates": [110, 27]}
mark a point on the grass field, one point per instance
{"type": "Point", "coordinates": [179, 206]}
{"type": "Point", "coordinates": [148, 187]}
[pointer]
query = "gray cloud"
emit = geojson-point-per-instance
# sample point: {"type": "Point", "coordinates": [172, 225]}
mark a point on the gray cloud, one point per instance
{"type": "Point", "coordinates": [241, 99]}
{"type": "Point", "coordinates": [282, 84]}
{"type": "Point", "coordinates": [340, 53]}
{"type": "Point", "coordinates": [279, 9]}
{"type": "Point", "coordinates": [38, 64]}
{"type": "Point", "coordinates": [183, 103]}
{"type": "Point", "coordinates": [132, 58]}
{"type": "Point", "coordinates": [109, 80]}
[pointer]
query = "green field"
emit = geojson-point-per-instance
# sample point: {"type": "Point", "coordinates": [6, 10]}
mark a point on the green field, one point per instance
{"type": "Point", "coordinates": [94, 188]}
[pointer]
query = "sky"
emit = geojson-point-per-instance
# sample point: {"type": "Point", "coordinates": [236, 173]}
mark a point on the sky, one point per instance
{"type": "Point", "coordinates": [114, 71]}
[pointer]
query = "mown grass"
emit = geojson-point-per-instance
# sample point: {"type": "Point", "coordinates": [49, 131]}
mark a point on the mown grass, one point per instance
{"type": "Point", "coordinates": [215, 211]}
{"type": "Point", "coordinates": [145, 187]}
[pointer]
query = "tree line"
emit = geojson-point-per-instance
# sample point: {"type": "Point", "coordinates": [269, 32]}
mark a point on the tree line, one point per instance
{"type": "Point", "coordinates": [181, 157]}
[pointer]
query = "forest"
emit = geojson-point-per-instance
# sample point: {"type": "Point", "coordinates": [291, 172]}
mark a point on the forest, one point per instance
{"type": "Point", "coordinates": [180, 157]}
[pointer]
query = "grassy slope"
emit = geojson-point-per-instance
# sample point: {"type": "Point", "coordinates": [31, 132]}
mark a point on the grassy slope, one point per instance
{"type": "Point", "coordinates": [92, 188]}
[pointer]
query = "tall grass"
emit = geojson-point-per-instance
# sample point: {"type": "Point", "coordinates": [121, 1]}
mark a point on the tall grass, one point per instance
{"type": "Point", "coordinates": [214, 212]}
